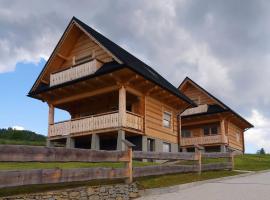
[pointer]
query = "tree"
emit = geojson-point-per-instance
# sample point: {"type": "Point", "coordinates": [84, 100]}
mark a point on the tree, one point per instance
{"type": "Point", "coordinates": [261, 151]}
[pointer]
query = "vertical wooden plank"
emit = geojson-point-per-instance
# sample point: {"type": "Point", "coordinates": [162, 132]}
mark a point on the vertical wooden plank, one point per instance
{"type": "Point", "coordinates": [129, 166]}
{"type": "Point", "coordinates": [122, 106]}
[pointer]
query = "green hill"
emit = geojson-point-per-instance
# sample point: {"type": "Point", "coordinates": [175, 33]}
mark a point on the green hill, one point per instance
{"type": "Point", "coordinates": [21, 137]}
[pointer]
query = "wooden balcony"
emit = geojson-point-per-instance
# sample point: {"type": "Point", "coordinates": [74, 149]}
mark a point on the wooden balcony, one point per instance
{"type": "Point", "coordinates": [75, 72]}
{"type": "Point", "coordinates": [213, 139]}
{"type": "Point", "coordinates": [95, 123]}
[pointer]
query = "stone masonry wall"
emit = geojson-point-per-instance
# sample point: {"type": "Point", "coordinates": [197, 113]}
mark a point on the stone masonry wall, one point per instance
{"type": "Point", "coordinates": [105, 192]}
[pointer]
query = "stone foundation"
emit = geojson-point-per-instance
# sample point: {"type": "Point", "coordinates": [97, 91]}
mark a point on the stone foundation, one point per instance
{"type": "Point", "coordinates": [105, 192]}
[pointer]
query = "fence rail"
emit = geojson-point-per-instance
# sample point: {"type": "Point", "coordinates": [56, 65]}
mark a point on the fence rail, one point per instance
{"type": "Point", "coordinates": [16, 153]}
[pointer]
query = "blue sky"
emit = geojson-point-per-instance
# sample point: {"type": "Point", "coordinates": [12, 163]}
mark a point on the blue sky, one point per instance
{"type": "Point", "coordinates": [16, 108]}
{"type": "Point", "coordinates": [222, 45]}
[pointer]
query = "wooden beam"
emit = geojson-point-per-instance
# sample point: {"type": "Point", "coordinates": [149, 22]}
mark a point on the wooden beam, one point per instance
{"type": "Point", "coordinates": [134, 91]}
{"type": "Point", "coordinates": [84, 95]}
{"type": "Point", "coordinates": [62, 56]}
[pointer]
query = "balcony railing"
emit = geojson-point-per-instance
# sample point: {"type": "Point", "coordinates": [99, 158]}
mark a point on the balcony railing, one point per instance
{"type": "Point", "coordinates": [94, 123]}
{"type": "Point", "coordinates": [75, 72]}
{"type": "Point", "coordinates": [213, 139]}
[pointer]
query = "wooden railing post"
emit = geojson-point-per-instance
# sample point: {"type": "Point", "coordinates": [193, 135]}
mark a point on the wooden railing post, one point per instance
{"type": "Point", "coordinates": [129, 167]}
{"type": "Point", "coordinates": [198, 151]}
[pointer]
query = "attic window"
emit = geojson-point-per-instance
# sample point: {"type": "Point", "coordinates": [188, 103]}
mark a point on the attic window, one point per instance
{"type": "Point", "coordinates": [83, 59]}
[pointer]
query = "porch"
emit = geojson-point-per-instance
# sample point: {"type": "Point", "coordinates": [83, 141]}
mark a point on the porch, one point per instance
{"type": "Point", "coordinates": [96, 123]}
{"type": "Point", "coordinates": [204, 140]}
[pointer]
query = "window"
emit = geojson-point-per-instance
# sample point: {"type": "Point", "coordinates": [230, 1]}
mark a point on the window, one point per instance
{"type": "Point", "coordinates": [150, 145]}
{"type": "Point", "coordinates": [206, 131]}
{"type": "Point", "coordinates": [166, 147]}
{"type": "Point", "coordinates": [210, 130]}
{"type": "Point", "coordinates": [186, 133]}
{"type": "Point", "coordinates": [167, 119]}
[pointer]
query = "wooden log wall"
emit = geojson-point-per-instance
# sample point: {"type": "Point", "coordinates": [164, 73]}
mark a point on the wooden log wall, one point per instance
{"type": "Point", "coordinates": [154, 121]}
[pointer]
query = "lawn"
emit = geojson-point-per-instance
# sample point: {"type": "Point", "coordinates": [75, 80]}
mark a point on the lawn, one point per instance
{"type": "Point", "coordinates": [176, 179]}
{"type": "Point", "coordinates": [64, 165]}
{"type": "Point", "coordinates": [252, 162]}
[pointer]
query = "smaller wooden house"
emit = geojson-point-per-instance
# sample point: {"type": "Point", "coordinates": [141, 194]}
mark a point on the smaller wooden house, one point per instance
{"type": "Point", "coordinates": [212, 124]}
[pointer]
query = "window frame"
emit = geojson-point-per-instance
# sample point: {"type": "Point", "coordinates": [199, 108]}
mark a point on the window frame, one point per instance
{"type": "Point", "coordinates": [185, 130]}
{"type": "Point", "coordinates": [210, 129]}
{"type": "Point", "coordinates": [169, 145]}
{"type": "Point", "coordinates": [163, 119]}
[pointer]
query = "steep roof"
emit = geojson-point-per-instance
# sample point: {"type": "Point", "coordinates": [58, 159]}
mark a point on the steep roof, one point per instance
{"type": "Point", "coordinates": [130, 61]}
{"type": "Point", "coordinates": [214, 108]}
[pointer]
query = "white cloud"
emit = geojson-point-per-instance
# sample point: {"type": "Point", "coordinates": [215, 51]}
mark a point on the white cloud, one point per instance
{"type": "Point", "coordinates": [20, 128]}
{"type": "Point", "coordinates": [259, 136]}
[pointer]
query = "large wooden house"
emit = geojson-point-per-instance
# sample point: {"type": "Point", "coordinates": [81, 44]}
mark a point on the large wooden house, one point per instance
{"type": "Point", "coordinates": [212, 124]}
{"type": "Point", "coordinates": [109, 94]}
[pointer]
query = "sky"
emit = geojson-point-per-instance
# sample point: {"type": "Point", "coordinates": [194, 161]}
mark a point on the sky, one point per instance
{"type": "Point", "coordinates": [222, 45]}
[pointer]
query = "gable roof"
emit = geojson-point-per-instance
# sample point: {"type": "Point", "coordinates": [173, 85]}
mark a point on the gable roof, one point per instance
{"type": "Point", "coordinates": [214, 108]}
{"type": "Point", "coordinates": [130, 61]}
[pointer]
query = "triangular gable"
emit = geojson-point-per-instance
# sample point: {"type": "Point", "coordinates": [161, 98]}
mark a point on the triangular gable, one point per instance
{"type": "Point", "coordinates": [75, 44]}
{"type": "Point", "coordinates": [191, 89]}
{"type": "Point", "coordinates": [198, 94]}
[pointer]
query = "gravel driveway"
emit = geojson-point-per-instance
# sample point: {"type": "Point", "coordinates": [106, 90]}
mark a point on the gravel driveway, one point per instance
{"type": "Point", "coordinates": [251, 187]}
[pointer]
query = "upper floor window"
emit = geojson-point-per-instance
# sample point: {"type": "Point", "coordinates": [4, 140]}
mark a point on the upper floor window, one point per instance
{"type": "Point", "coordinates": [167, 118]}
{"type": "Point", "coordinates": [210, 130]}
{"type": "Point", "coordinates": [186, 133]}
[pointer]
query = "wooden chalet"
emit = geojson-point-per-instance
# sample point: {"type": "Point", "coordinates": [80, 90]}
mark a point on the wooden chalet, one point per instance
{"type": "Point", "coordinates": [212, 124]}
{"type": "Point", "coordinates": [109, 94]}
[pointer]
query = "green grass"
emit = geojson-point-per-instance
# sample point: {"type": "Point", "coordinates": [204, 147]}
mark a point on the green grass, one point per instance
{"type": "Point", "coordinates": [252, 162]}
{"type": "Point", "coordinates": [22, 142]}
{"type": "Point", "coordinates": [176, 179]}
{"type": "Point", "coordinates": [65, 165]}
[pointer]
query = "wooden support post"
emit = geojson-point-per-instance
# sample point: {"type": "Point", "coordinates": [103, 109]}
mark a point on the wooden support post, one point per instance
{"type": "Point", "coordinates": [129, 168]}
{"type": "Point", "coordinates": [198, 151]}
{"type": "Point", "coordinates": [51, 114]}
{"type": "Point", "coordinates": [50, 120]}
{"type": "Point", "coordinates": [122, 106]}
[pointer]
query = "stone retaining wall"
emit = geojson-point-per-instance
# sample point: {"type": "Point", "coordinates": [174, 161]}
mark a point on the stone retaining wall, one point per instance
{"type": "Point", "coordinates": [105, 192]}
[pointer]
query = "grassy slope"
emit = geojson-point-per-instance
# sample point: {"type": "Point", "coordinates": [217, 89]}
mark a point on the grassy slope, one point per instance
{"type": "Point", "coordinates": [252, 162]}
{"type": "Point", "coordinates": [22, 142]}
{"type": "Point", "coordinates": [175, 179]}
{"type": "Point", "coordinates": [66, 165]}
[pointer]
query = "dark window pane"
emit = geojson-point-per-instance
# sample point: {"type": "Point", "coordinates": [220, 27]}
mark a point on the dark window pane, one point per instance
{"type": "Point", "coordinates": [214, 130]}
{"type": "Point", "coordinates": [206, 131]}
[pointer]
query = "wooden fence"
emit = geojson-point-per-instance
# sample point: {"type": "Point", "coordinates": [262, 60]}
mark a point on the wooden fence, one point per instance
{"type": "Point", "coordinates": [13, 153]}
